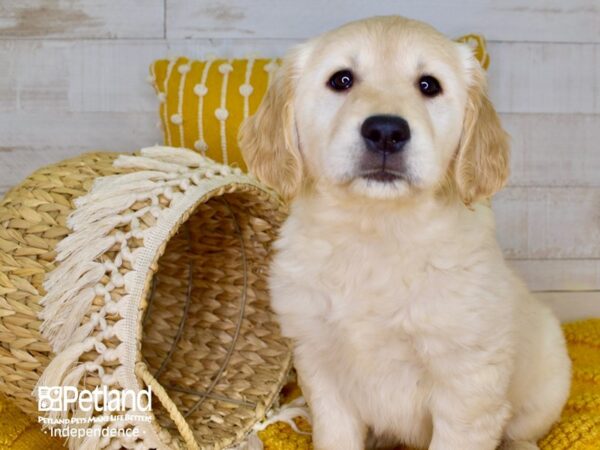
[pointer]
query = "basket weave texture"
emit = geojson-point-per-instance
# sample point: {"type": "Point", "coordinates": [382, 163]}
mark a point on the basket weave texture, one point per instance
{"type": "Point", "coordinates": [172, 294]}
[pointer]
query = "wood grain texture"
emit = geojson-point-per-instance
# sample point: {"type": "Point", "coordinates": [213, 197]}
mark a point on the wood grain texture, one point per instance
{"type": "Point", "coordinates": [546, 78]}
{"type": "Point", "coordinates": [104, 75]}
{"type": "Point", "coordinates": [559, 274]}
{"type": "Point", "coordinates": [34, 139]}
{"type": "Point", "coordinates": [543, 222]}
{"type": "Point", "coordinates": [81, 19]}
{"type": "Point", "coordinates": [554, 149]}
{"type": "Point", "coordinates": [507, 20]}
{"type": "Point", "coordinates": [570, 306]}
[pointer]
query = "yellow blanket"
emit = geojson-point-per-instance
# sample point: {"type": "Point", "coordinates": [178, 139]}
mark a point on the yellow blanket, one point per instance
{"type": "Point", "coordinates": [21, 432]}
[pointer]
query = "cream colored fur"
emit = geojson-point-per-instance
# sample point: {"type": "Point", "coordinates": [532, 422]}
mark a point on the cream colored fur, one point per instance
{"type": "Point", "coordinates": [408, 325]}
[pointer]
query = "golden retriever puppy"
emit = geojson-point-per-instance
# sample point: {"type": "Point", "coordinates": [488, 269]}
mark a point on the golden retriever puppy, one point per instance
{"type": "Point", "coordinates": [407, 324]}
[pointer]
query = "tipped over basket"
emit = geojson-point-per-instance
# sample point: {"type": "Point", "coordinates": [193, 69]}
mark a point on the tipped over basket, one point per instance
{"type": "Point", "coordinates": [142, 271]}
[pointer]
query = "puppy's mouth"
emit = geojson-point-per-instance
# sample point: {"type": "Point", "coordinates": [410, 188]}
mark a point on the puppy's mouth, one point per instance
{"type": "Point", "coordinates": [383, 168]}
{"type": "Point", "coordinates": [382, 175]}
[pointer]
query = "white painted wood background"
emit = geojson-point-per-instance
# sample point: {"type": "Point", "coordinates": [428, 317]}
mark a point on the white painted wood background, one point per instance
{"type": "Point", "coordinates": [72, 79]}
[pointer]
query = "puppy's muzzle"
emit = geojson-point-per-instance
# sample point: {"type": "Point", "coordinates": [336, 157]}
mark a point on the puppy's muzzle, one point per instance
{"type": "Point", "coordinates": [385, 134]}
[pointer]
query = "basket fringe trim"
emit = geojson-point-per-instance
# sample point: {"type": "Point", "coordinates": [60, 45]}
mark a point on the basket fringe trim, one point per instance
{"type": "Point", "coordinates": [74, 284]}
{"type": "Point", "coordinates": [182, 177]}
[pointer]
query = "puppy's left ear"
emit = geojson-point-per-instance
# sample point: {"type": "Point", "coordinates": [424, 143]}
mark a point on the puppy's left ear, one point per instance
{"type": "Point", "coordinates": [481, 165]}
{"type": "Point", "coordinates": [269, 140]}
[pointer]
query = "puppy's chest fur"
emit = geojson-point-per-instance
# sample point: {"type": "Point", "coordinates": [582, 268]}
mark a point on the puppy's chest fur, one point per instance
{"type": "Point", "coordinates": [371, 306]}
{"type": "Point", "coordinates": [384, 283]}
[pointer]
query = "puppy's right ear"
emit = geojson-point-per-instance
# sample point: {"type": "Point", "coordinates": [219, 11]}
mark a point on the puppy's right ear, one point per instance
{"type": "Point", "coordinates": [482, 161]}
{"type": "Point", "coordinates": [268, 139]}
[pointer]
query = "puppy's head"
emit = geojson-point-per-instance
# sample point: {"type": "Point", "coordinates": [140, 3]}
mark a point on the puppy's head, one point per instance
{"type": "Point", "coordinates": [385, 108]}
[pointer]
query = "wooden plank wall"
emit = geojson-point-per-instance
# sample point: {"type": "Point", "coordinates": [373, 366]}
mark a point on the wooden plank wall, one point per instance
{"type": "Point", "coordinates": [73, 79]}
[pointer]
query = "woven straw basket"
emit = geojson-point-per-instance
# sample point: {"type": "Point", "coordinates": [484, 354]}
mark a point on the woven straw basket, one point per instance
{"type": "Point", "coordinates": [135, 271]}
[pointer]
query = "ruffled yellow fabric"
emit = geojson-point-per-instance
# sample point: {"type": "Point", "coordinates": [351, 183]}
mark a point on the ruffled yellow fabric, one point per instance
{"type": "Point", "coordinates": [578, 428]}
{"type": "Point", "coordinates": [21, 432]}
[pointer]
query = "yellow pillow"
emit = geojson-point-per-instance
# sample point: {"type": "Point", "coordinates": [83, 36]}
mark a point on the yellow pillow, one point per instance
{"type": "Point", "coordinates": [203, 103]}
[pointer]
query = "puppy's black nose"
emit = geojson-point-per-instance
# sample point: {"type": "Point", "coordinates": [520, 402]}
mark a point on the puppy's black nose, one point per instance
{"type": "Point", "coordinates": [385, 133]}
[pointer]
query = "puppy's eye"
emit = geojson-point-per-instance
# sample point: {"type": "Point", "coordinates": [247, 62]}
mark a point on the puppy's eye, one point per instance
{"type": "Point", "coordinates": [341, 81]}
{"type": "Point", "coordinates": [429, 86]}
